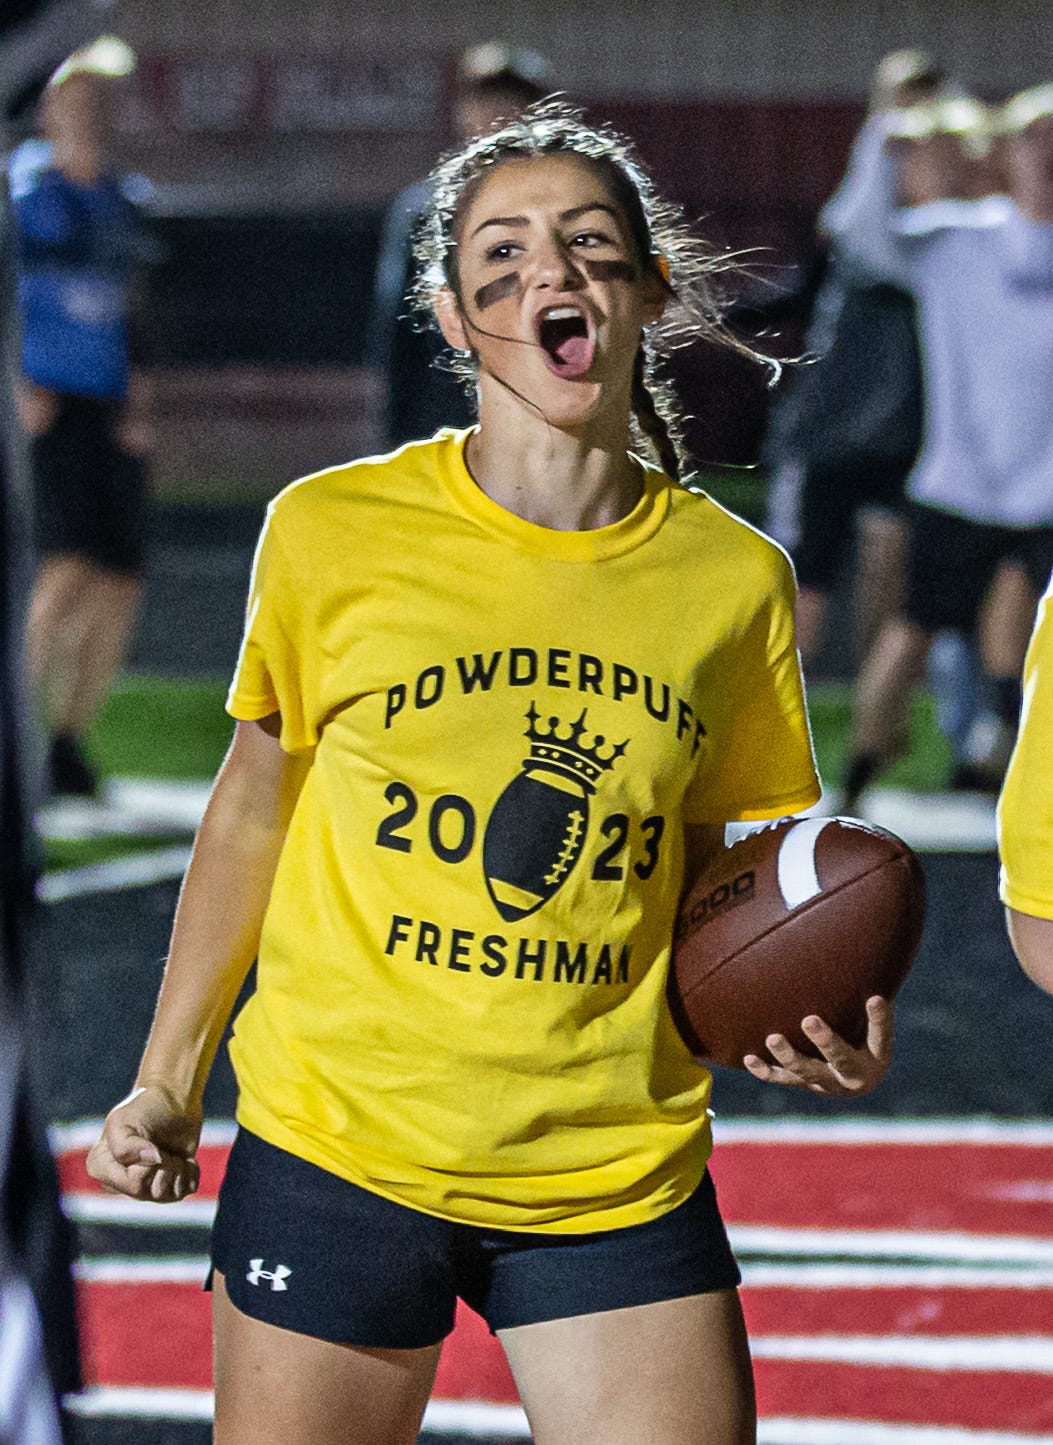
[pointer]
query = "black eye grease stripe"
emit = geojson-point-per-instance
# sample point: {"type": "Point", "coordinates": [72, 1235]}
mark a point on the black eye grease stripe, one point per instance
{"type": "Point", "coordinates": [494, 291]}
{"type": "Point", "coordinates": [611, 270]}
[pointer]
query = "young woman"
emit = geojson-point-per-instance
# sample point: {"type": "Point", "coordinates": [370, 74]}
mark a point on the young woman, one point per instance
{"type": "Point", "coordinates": [498, 693]}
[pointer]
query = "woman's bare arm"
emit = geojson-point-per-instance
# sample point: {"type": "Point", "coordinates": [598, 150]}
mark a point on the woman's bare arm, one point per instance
{"type": "Point", "coordinates": [1032, 940]}
{"type": "Point", "coordinates": [148, 1142]}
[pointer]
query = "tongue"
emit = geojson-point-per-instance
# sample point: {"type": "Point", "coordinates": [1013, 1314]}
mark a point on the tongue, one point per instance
{"type": "Point", "coordinates": [573, 356]}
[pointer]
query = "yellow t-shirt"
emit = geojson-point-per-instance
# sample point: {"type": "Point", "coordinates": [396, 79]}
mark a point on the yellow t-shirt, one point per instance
{"type": "Point", "coordinates": [1025, 808]}
{"type": "Point", "coordinates": [461, 979]}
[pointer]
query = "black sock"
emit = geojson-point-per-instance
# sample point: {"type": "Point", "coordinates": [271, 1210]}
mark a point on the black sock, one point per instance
{"type": "Point", "coordinates": [1008, 698]}
{"type": "Point", "coordinates": [862, 768]}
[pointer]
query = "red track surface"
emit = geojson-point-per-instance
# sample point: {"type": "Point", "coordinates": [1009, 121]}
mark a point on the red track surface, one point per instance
{"type": "Point", "coordinates": [157, 1334]}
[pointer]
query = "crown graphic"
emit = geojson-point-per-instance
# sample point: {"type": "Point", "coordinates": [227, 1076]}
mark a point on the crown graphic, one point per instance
{"type": "Point", "coordinates": [569, 755]}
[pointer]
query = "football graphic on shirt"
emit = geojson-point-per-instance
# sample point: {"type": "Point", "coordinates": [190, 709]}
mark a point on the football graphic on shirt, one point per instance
{"type": "Point", "coordinates": [539, 823]}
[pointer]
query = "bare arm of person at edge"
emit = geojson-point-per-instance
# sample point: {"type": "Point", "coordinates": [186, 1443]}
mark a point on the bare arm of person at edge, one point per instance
{"type": "Point", "coordinates": [147, 1146]}
{"type": "Point", "coordinates": [843, 1071]}
{"type": "Point", "coordinates": [1032, 940]}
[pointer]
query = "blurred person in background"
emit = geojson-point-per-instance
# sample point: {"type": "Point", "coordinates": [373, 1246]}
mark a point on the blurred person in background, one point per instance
{"type": "Point", "coordinates": [82, 247]}
{"type": "Point", "coordinates": [1025, 813]}
{"type": "Point", "coordinates": [981, 492]}
{"type": "Point", "coordinates": [39, 1357]}
{"type": "Point", "coordinates": [495, 82]}
{"type": "Point", "coordinates": [845, 432]}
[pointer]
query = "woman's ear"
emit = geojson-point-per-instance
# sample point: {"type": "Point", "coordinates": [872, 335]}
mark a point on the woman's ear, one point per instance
{"type": "Point", "coordinates": [451, 322]}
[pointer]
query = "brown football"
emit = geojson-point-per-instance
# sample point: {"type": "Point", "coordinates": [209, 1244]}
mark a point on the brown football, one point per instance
{"type": "Point", "coordinates": [803, 916]}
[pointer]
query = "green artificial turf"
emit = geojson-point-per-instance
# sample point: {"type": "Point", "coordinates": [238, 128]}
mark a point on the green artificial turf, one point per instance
{"type": "Point", "coordinates": [83, 852]}
{"type": "Point", "coordinates": [171, 728]}
{"type": "Point", "coordinates": [161, 727]}
{"type": "Point", "coordinates": [925, 769]}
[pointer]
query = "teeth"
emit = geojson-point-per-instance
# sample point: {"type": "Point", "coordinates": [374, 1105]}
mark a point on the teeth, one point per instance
{"type": "Point", "coordinates": [560, 313]}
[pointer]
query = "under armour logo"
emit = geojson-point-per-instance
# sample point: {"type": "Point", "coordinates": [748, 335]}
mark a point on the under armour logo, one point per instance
{"type": "Point", "coordinates": [277, 1276]}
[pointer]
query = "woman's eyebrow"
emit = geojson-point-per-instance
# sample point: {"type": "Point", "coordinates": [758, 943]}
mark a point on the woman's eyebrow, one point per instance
{"type": "Point", "coordinates": [571, 215]}
{"type": "Point", "coordinates": [501, 221]}
{"type": "Point", "coordinates": [576, 211]}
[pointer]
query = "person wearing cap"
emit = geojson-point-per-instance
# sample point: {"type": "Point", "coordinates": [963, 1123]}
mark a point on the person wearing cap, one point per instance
{"type": "Point", "coordinates": [981, 492]}
{"type": "Point", "coordinates": [495, 82]}
{"type": "Point", "coordinates": [82, 244]}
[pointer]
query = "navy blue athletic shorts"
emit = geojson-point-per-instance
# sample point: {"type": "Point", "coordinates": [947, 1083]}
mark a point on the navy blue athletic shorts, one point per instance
{"type": "Point", "coordinates": [952, 562]}
{"type": "Point", "coordinates": [831, 498]}
{"type": "Point", "coordinates": [89, 496]}
{"type": "Point", "coordinates": [303, 1249]}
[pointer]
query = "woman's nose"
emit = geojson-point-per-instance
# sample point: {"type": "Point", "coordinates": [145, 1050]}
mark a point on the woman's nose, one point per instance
{"type": "Point", "coordinates": [556, 267]}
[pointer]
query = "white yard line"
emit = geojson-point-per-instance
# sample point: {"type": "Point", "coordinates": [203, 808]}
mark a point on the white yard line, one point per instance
{"type": "Point", "coordinates": [156, 807]}
{"type": "Point", "coordinates": [931, 822]}
{"type": "Point", "coordinates": [138, 870]}
{"type": "Point", "coordinates": [128, 808]}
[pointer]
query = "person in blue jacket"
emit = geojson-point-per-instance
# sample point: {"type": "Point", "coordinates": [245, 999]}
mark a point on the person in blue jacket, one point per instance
{"type": "Point", "coordinates": [82, 244]}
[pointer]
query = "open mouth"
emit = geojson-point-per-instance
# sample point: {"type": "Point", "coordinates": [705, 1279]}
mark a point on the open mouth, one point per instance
{"type": "Point", "coordinates": [567, 341]}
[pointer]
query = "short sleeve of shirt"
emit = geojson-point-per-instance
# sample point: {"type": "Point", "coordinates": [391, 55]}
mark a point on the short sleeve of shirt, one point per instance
{"type": "Point", "coordinates": [765, 766]}
{"type": "Point", "coordinates": [277, 669]}
{"type": "Point", "coordinates": [1025, 808]}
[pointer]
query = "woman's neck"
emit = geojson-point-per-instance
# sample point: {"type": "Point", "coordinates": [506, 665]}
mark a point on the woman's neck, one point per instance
{"type": "Point", "coordinates": [571, 481]}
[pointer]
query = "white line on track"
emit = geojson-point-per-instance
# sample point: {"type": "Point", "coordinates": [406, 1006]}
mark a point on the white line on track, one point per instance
{"type": "Point", "coordinates": [855, 1244]}
{"type": "Point", "coordinates": [470, 1417]}
{"type": "Point", "coordinates": [803, 1275]}
{"type": "Point", "coordinates": [451, 1417]}
{"type": "Point", "coordinates": [77, 1134]}
{"type": "Point", "coordinates": [1001, 1354]}
{"type": "Point", "coordinates": [793, 1431]}
{"type": "Point", "coordinates": [191, 1269]}
{"type": "Point", "coordinates": [842, 1130]}
{"type": "Point", "coordinates": [443, 1417]}
{"type": "Point", "coordinates": [892, 1244]}
{"type": "Point", "coordinates": [85, 1208]}
{"type": "Point", "coordinates": [107, 1401]}
{"type": "Point", "coordinates": [81, 1133]}
{"type": "Point", "coordinates": [142, 1269]}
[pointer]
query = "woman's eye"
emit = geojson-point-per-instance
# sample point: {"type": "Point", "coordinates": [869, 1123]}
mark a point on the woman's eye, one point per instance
{"type": "Point", "coordinates": [587, 239]}
{"type": "Point", "coordinates": [503, 251]}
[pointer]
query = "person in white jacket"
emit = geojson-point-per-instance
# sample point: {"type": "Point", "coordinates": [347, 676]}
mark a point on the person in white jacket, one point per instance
{"type": "Point", "coordinates": [981, 491]}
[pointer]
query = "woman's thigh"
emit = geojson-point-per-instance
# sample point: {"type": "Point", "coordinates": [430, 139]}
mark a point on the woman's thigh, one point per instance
{"type": "Point", "coordinates": [673, 1373]}
{"type": "Point", "coordinates": [286, 1388]}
